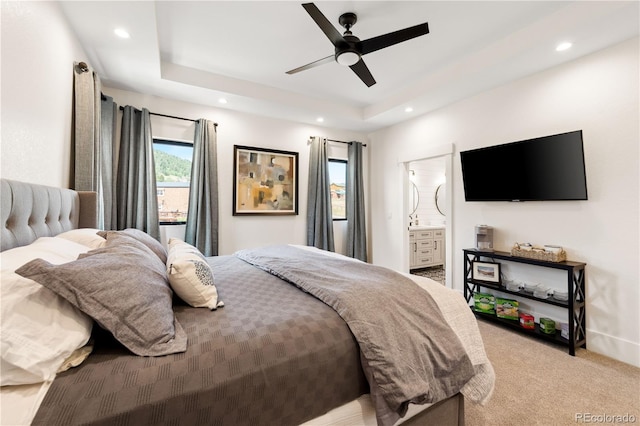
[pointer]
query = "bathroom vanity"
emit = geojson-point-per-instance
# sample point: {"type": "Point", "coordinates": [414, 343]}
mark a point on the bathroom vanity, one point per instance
{"type": "Point", "coordinates": [426, 246]}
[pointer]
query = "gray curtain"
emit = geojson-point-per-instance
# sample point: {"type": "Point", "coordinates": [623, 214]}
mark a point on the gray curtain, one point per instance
{"type": "Point", "coordinates": [136, 181]}
{"type": "Point", "coordinates": [319, 220]}
{"type": "Point", "coordinates": [202, 218]}
{"type": "Point", "coordinates": [87, 169]}
{"type": "Point", "coordinates": [356, 227]}
{"type": "Point", "coordinates": [109, 113]}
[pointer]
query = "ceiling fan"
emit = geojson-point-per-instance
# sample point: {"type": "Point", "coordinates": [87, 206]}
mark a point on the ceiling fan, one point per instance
{"type": "Point", "coordinates": [349, 49]}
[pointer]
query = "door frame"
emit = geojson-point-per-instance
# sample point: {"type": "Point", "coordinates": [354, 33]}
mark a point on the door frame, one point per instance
{"type": "Point", "coordinates": [446, 151]}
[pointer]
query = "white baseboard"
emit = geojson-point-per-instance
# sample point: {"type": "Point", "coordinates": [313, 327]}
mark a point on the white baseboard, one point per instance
{"type": "Point", "coordinates": [614, 347]}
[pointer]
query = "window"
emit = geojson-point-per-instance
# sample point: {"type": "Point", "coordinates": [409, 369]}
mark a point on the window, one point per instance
{"type": "Point", "coordinates": [338, 179]}
{"type": "Point", "coordinates": [173, 174]}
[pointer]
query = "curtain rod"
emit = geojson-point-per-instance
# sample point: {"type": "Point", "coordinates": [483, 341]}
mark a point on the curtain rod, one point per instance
{"type": "Point", "coordinates": [333, 140]}
{"type": "Point", "coordinates": [172, 116]}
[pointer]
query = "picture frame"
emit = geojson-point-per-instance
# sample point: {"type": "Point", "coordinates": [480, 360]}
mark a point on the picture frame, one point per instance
{"type": "Point", "coordinates": [265, 181]}
{"type": "Point", "coordinates": [488, 272]}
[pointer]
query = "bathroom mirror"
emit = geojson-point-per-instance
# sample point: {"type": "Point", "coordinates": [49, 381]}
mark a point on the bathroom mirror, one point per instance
{"type": "Point", "coordinates": [414, 198]}
{"type": "Point", "coordinates": [441, 193]}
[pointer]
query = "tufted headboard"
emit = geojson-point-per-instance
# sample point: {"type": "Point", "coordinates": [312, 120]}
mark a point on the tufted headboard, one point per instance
{"type": "Point", "coordinates": [31, 211]}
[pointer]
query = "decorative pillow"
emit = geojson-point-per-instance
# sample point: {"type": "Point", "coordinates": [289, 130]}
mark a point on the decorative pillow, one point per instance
{"type": "Point", "coordinates": [146, 239]}
{"type": "Point", "coordinates": [86, 236]}
{"type": "Point", "coordinates": [39, 330]}
{"type": "Point", "coordinates": [123, 286]}
{"type": "Point", "coordinates": [191, 276]}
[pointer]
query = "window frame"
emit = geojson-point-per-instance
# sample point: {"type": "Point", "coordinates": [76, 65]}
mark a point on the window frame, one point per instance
{"type": "Point", "coordinates": [345, 162]}
{"type": "Point", "coordinates": [163, 141]}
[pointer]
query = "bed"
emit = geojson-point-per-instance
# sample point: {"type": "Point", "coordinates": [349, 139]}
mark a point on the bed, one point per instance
{"type": "Point", "coordinates": [263, 347]}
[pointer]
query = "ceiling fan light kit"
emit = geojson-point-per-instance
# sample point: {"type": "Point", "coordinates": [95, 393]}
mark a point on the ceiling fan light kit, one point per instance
{"type": "Point", "coordinates": [349, 49]}
{"type": "Point", "coordinates": [347, 58]}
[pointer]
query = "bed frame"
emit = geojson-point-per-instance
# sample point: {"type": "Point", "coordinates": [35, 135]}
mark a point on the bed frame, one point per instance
{"type": "Point", "coordinates": [30, 211]}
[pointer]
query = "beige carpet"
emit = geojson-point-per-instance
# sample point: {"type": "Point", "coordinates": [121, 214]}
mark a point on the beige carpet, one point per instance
{"type": "Point", "coordinates": [541, 384]}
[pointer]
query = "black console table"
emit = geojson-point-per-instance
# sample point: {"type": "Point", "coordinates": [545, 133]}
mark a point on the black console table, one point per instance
{"type": "Point", "coordinates": [575, 305]}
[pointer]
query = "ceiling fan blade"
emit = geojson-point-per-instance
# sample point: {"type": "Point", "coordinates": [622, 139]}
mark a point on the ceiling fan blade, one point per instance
{"type": "Point", "coordinates": [324, 24]}
{"type": "Point", "coordinates": [313, 64]}
{"type": "Point", "coordinates": [361, 70]}
{"type": "Point", "coordinates": [386, 40]}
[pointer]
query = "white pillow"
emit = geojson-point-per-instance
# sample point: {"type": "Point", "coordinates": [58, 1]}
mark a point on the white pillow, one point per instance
{"type": "Point", "coordinates": [191, 276]}
{"type": "Point", "coordinates": [39, 330]}
{"type": "Point", "coordinates": [86, 236]}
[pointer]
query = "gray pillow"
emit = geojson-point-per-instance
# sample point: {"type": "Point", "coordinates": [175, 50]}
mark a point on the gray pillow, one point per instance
{"type": "Point", "coordinates": [123, 286]}
{"type": "Point", "coordinates": [144, 238]}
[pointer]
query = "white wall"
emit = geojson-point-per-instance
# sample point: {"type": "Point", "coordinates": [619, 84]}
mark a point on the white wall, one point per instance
{"type": "Point", "coordinates": [237, 232]}
{"type": "Point", "coordinates": [38, 52]}
{"type": "Point", "coordinates": [598, 94]}
{"type": "Point", "coordinates": [429, 174]}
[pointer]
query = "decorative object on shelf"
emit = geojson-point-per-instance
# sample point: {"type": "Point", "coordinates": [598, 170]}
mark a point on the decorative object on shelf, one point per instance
{"type": "Point", "coordinates": [265, 181]}
{"type": "Point", "coordinates": [546, 253]}
{"type": "Point", "coordinates": [484, 302]}
{"type": "Point", "coordinates": [484, 238]}
{"type": "Point", "coordinates": [542, 292]}
{"type": "Point", "coordinates": [486, 271]}
{"type": "Point", "coordinates": [507, 308]}
{"type": "Point", "coordinates": [564, 330]}
{"type": "Point", "coordinates": [547, 326]}
{"type": "Point", "coordinates": [527, 321]}
{"type": "Point", "coordinates": [514, 286]}
{"type": "Point", "coordinates": [561, 295]}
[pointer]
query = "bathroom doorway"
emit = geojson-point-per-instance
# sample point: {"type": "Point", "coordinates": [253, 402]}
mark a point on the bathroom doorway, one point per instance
{"type": "Point", "coordinates": [428, 221]}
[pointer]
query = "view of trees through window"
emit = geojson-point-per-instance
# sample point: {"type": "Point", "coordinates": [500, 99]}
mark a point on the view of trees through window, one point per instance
{"type": "Point", "coordinates": [173, 174]}
{"type": "Point", "coordinates": [338, 179]}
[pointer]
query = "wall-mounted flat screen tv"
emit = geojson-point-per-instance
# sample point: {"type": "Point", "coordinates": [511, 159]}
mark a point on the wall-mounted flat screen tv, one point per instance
{"type": "Point", "coordinates": [549, 168]}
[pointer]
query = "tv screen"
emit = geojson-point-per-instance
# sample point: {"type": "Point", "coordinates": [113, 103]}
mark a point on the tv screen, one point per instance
{"type": "Point", "coordinates": [540, 169]}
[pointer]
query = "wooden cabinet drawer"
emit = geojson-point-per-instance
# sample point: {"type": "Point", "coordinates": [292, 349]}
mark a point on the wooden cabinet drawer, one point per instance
{"type": "Point", "coordinates": [424, 234]}
{"type": "Point", "coordinates": [423, 244]}
{"type": "Point", "coordinates": [438, 233]}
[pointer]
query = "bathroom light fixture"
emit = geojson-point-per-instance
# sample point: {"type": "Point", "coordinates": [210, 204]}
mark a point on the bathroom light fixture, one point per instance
{"type": "Point", "coordinates": [121, 32]}
{"type": "Point", "coordinates": [320, 120]}
{"type": "Point", "coordinates": [222, 100]}
{"type": "Point", "coordinates": [563, 46]}
{"type": "Point", "coordinates": [408, 109]}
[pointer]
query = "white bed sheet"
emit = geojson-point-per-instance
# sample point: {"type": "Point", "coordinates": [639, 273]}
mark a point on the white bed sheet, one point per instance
{"type": "Point", "coordinates": [359, 412]}
{"type": "Point", "coordinates": [19, 404]}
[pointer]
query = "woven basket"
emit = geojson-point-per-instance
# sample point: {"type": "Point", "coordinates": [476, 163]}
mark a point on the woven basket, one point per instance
{"type": "Point", "coordinates": [540, 255]}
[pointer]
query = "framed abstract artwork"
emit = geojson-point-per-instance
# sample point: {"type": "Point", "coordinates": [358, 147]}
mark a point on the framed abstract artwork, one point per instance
{"type": "Point", "coordinates": [265, 181]}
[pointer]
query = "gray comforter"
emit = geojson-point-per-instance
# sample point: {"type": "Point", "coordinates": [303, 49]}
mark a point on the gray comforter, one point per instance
{"type": "Point", "coordinates": [409, 352]}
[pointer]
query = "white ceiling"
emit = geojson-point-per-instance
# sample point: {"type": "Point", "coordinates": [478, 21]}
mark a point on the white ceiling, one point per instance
{"type": "Point", "coordinates": [202, 51]}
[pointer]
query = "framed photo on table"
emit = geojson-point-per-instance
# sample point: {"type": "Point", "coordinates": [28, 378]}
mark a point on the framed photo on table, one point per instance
{"type": "Point", "coordinates": [486, 271]}
{"type": "Point", "coordinates": [265, 181]}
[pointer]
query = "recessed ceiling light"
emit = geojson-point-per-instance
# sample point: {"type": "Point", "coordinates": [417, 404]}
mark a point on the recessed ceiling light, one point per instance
{"type": "Point", "coordinates": [563, 46]}
{"type": "Point", "coordinates": [222, 100]}
{"type": "Point", "coordinates": [320, 120]}
{"type": "Point", "coordinates": [408, 109]}
{"type": "Point", "coordinates": [121, 32]}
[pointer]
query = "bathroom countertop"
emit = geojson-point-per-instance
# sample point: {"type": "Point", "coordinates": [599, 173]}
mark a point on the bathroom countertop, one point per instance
{"type": "Point", "coordinates": [425, 227]}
